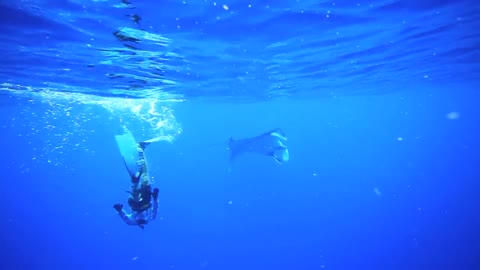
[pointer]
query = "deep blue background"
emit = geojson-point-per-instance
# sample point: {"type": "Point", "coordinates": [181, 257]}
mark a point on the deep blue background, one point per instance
{"type": "Point", "coordinates": [318, 209]}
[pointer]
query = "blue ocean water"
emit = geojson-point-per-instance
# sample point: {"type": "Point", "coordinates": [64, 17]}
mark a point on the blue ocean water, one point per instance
{"type": "Point", "coordinates": [379, 100]}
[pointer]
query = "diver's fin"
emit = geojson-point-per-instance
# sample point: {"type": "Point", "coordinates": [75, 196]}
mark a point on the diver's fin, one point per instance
{"type": "Point", "coordinates": [144, 144]}
{"type": "Point", "coordinates": [129, 151]}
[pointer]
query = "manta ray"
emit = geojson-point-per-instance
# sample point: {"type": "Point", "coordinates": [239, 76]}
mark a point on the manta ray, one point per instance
{"type": "Point", "coordinates": [272, 143]}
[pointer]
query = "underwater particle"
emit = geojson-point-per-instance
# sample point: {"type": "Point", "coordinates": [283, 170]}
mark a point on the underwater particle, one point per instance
{"type": "Point", "coordinates": [377, 191]}
{"type": "Point", "coordinates": [453, 115]}
{"type": "Point", "coordinates": [400, 139]}
{"type": "Point", "coordinates": [135, 258]}
{"type": "Point", "coordinates": [230, 202]}
{"type": "Point", "coordinates": [415, 241]}
{"type": "Point", "coordinates": [314, 174]}
{"type": "Point", "coordinates": [225, 7]}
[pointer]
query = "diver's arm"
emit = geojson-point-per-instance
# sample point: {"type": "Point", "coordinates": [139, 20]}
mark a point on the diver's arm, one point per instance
{"type": "Point", "coordinates": [153, 212]}
{"type": "Point", "coordinates": [155, 203]}
{"type": "Point", "coordinates": [127, 218]}
{"type": "Point", "coordinates": [155, 208]}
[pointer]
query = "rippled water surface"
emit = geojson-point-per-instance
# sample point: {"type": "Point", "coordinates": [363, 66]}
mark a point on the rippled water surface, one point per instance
{"type": "Point", "coordinates": [242, 50]}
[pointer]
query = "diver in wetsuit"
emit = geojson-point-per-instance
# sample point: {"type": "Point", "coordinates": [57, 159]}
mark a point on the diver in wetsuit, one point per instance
{"type": "Point", "coordinates": [142, 201]}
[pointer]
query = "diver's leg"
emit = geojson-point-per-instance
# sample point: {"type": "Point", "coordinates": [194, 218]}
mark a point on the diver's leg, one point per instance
{"type": "Point", "coordinates": [123, 215]}
{"type": "Point", "coordinates": [142, 161]}
{"type": "Point", "coordinates": [143, 177]}
{"type": "Point", "coordinates": [140, 164]}
{"type": "Point", "coordinates": [145, 180]}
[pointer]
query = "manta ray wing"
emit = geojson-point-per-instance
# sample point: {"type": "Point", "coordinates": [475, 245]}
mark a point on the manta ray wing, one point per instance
{"type": "Point", "coordinates": [272, 143]}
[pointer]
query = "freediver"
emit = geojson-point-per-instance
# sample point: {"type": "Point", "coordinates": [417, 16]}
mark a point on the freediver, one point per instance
{"type": "Point", "coordinates": [143, 201]}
